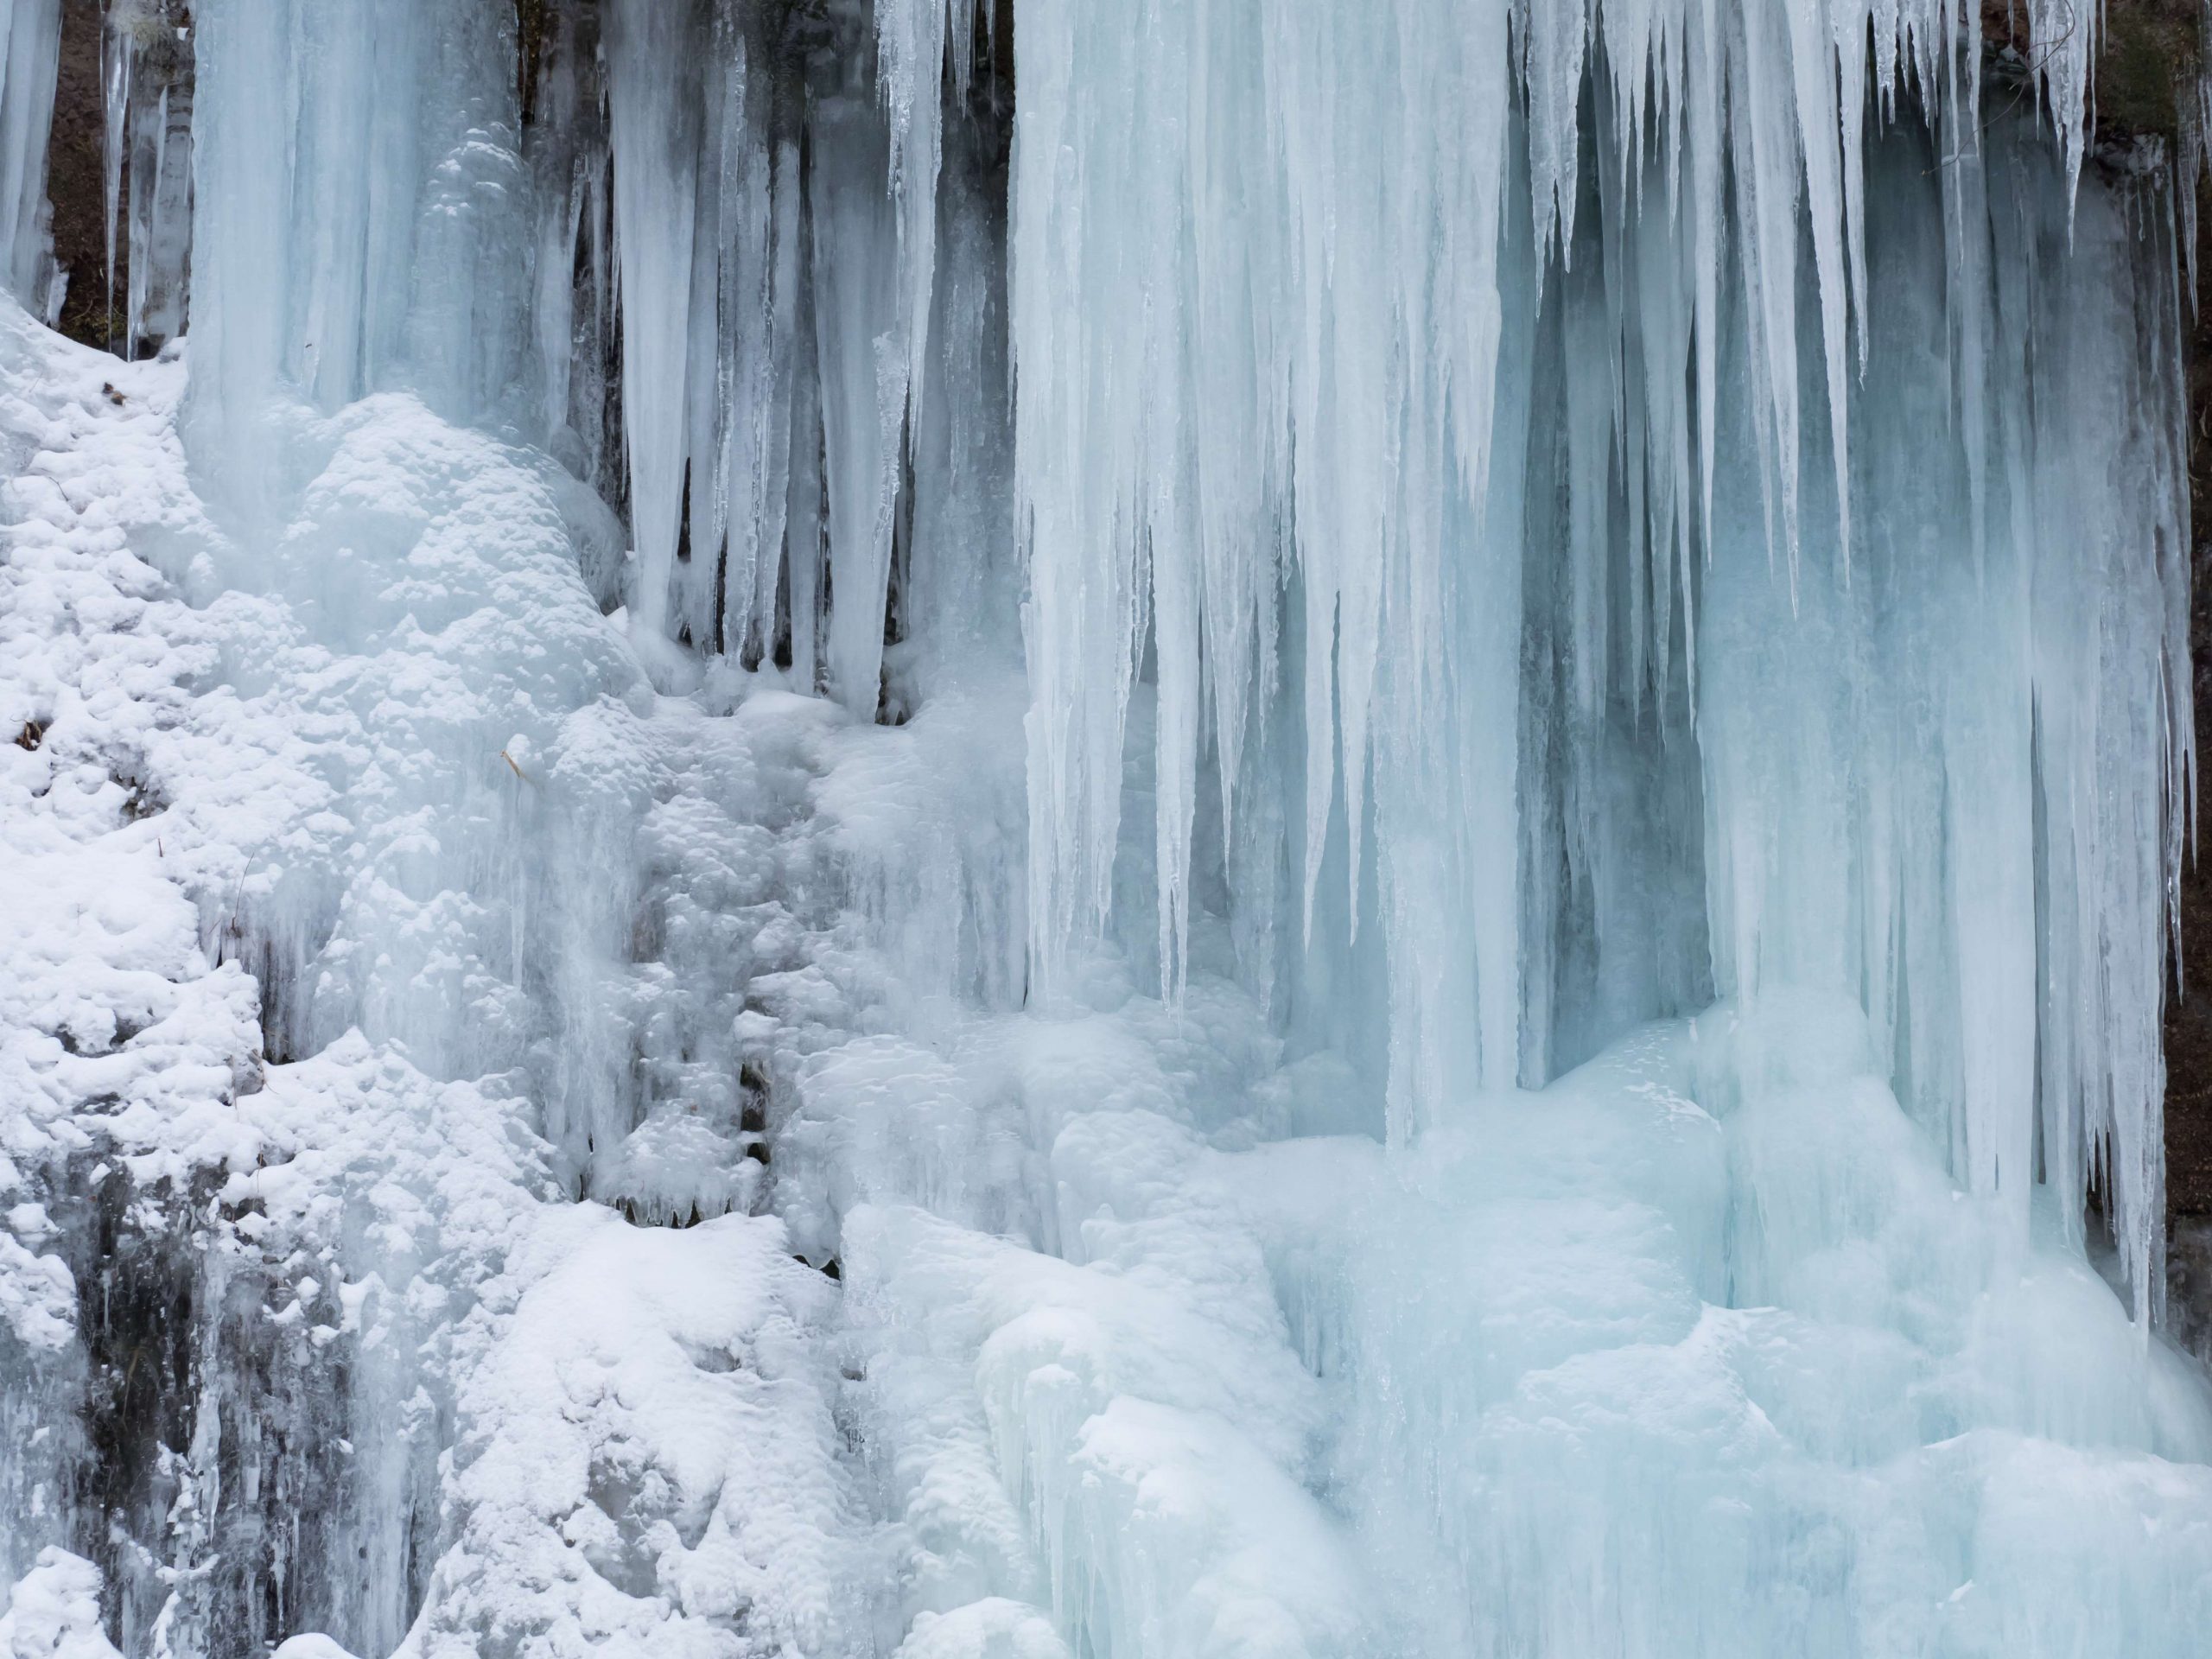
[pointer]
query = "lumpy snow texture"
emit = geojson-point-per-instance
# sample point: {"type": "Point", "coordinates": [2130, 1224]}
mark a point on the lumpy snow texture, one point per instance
{"type": "Point", "coordinates": [1347, 834]}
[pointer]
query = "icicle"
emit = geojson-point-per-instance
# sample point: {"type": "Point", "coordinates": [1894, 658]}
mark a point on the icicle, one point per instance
{"type": "Point", "coordinates": [862, 358]}
{"type": "Point", "coordinates": [243, 186]}
{"type": "Point", "coordinates": [146, 87]}
{"type": "Point", "coordinates": [30, 49]}
{"type": "Point", "coordinates": [352, 190]}
{"type": "Point", "coordinates": [963, 585]}
{"type": "Point", "coordinates": [573, 310]}
{"type": "Point", "coordinates": [1284, 377]}
{"type": "Point", "coordinates": [762, 263]}
{"type": "Point", "coordinates": [802, 525]}
{"type": "Point", "coordinates": [653, 99]}
{"type": "Point", "coordinates": [911, 53]}
{"type": "Point", "coordinates": [2063, 37]}
{"type": "Point", "coordinates": [118, 59]}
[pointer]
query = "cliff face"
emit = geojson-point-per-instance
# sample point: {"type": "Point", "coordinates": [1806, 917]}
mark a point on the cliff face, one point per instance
{"type": "Point", "coordinates": [2188, 1014]}
{"type": "Point", "coordinates": [2144, 76]}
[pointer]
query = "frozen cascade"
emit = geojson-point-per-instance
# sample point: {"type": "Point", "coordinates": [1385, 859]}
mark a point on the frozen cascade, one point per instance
{"type": "Point", "coordinates": [1663, 361]}
{"type": "Point", "coordinates": [1003, 833]}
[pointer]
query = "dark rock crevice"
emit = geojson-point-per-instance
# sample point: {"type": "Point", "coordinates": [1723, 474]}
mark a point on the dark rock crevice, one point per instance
{"type": "Point", "coordinates": [76, 175]}
{"type": "Point", "coordinates": [2189, 1008]}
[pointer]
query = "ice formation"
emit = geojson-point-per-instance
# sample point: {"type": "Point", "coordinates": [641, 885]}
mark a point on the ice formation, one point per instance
{"type": "Point", "coordinates": [1120, 828]}
{"type": "Point", "coordinates": [146, 85]}
{"type": "Point", "coordinates": [30, 39]}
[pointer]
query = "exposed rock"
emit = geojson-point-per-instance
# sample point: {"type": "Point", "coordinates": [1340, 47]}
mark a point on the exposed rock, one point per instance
{"type": "Point", "coordinates": [76, 179]}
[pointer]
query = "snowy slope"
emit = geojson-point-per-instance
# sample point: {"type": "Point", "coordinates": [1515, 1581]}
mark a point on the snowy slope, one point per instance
{"type": "Point", "coordinates": [211, 780]}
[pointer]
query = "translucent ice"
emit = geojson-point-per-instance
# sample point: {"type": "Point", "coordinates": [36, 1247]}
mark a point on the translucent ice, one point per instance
{"type": "Point", "coordinates": [30, 44]}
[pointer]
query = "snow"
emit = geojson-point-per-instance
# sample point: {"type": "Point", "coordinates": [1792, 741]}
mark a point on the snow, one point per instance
{"type": "Point", "coordinates": [55, 1612]}
{"type": "Point", "coordinates": [646, 1458]}
{"type": "Point", "coordinates": [1376, 875]}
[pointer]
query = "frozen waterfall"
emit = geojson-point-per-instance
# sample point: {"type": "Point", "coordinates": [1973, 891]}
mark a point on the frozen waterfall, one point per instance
{"type": "Point", "coordinates": [1095, 830]}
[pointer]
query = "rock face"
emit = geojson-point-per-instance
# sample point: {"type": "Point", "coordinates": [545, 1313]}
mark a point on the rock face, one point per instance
{"type": "Point", "coordinates": [75, 176]}
{"type": "Point", "coordinates": [2151, 45]}
{"type": "Point", "coordinates": [119, 163]}
{"type": "Point", "coordinates": [2189, 1016]}
{"type": "Point", "coordinates": [2189, 1274]}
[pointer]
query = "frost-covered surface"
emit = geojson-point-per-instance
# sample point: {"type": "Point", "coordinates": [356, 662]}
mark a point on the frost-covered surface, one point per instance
{"type": "Point", "coordinates": [55, 1612]}
{"type": "Point", "coordinates": [647, 1463]}
{"type": "Point", "coordinates": [1240, 921]}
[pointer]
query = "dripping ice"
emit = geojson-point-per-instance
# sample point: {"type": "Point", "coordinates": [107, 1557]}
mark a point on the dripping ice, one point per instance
{"type": "Point", "coordinates": [1135, 830]}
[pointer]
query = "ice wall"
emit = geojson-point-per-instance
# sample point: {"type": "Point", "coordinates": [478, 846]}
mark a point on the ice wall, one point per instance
{"type": "Point", "coordinates": [1351, 839]}
{"type": "Point", "coordinates": [1696, 420]}
{"type": "Point", "coordinates": [789, 166]}
{"type": "Point", "coordinates": [357, 202]}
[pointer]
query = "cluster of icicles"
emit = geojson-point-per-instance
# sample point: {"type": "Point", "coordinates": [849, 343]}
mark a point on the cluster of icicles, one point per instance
{"type": "Point", "coordinates": [1459, 420]}
{"type": "Point", "coordinates": [146, 82]}
{"type": "Point", "coordinates": [1457, 425]}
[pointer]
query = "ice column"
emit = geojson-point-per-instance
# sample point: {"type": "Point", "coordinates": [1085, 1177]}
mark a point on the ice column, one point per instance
{"type": "Point", "coordinates": [1268, 406]}
{"type": "Point", "coordinates": [352, 184]}
{"type": "Point", "coordinates": [147, 83]}
{"type": "Point", "coordinates": [777, 235]}
{"type": "Point", "coordinates": [653, 96]}
{"type": "Point", "coordinates": [30, 46]}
